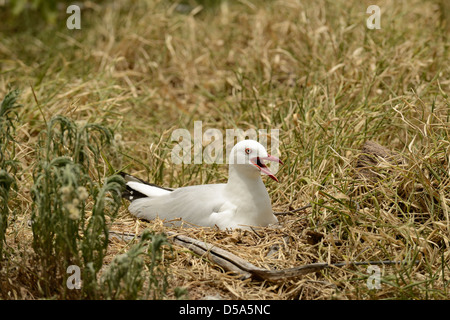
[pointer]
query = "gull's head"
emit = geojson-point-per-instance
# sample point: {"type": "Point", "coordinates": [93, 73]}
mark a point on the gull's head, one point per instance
{"type": "Point", "coordinates": [251, 154]}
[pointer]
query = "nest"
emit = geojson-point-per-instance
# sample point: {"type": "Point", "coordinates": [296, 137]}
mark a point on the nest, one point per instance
{"type": "Point", "coordinates": [277, 262]}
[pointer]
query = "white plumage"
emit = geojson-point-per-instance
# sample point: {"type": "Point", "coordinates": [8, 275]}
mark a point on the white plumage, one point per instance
{"type": "Point", "coordinates": [240, 203]}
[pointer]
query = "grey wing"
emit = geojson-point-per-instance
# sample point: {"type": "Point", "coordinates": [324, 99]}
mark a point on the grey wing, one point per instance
{"type": "Point", "coordinates": [194, 204]}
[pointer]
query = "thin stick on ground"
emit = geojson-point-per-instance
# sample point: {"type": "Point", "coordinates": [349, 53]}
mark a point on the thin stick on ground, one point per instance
{"type": "Point", "coordinates": [293, 211]}
{"type": "Point", "coordinates": [232, 263]}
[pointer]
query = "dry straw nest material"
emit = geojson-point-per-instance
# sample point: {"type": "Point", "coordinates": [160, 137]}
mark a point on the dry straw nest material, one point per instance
{"type": "Point", "coordinates": [268, 248]}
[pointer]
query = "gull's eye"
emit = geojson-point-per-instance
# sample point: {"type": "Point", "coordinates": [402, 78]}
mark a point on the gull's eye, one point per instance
{"type": "Point", "coordinates": [248, 150]}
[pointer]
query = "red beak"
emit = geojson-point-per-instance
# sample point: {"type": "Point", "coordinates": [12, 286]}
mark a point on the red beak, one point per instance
{"type": "Point", "coordinates": [263, 168]}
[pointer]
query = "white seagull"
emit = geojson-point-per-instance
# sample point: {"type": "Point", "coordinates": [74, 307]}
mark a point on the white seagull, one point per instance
{"type": "Point", "coordinates": [240, 203]}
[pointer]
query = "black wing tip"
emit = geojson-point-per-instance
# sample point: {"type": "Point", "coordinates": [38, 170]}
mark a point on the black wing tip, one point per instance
{"type": "Point", "coordinates": [128, 177]}
{"type": "Point", "coordinates": [131, 194]}
{"type": "Point", "coordinates": [128, 193]}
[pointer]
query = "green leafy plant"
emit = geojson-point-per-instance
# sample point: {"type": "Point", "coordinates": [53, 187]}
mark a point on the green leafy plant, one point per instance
{"type": "Point", "coordinates": [64, 231]}
{"type": "Point", "coordinates": [95, 232]}
{"type": "Point", "coordinates": [8, 116]}
{"type": "Point", "coordinates": [125, 277]}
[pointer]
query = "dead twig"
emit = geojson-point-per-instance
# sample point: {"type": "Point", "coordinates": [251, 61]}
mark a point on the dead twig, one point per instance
{"type": "Point", "coordinates": [232, 263]}
{"type": "Point", "coordinates": [293, 211]}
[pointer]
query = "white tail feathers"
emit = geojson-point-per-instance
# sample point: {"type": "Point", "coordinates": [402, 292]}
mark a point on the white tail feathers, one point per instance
{"type": "Point", "coordinates": [149, 191]}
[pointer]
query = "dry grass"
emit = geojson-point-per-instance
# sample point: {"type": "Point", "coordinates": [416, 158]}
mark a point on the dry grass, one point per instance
{"type": "Point", "coordinates": [312, 70]}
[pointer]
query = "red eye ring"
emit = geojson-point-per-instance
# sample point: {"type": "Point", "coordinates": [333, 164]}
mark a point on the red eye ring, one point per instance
{"type": "Point", "coordinates": [248, 150]}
